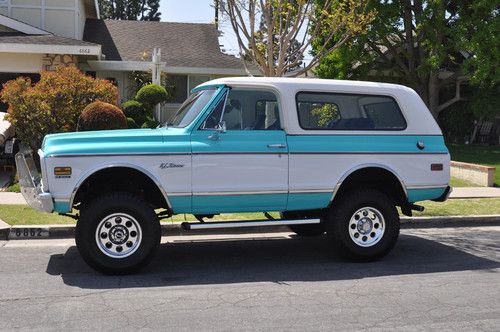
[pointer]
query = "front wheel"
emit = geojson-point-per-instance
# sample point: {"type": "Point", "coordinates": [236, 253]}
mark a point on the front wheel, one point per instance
{"type": "Point", "coordinates": [117, 233]}
{"type": "Point", "coordinates": [363, 225]}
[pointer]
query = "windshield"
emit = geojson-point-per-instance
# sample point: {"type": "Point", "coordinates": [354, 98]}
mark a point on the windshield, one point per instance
{"type": "Point", "coordinates": [190, 109]}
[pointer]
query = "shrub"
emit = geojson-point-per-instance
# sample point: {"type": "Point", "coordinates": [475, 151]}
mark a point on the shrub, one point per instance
{"type": "Point", "coordinates": [54, 104]}
{"type": "Point", "coordinates": [151, 94]}
{"type": "Point", "coordinates": [150, 123]}
{"type": "Point", "coordinates": [132, 124]}
{"type": "Point", "coordinates": [102, 116]}
{"type": "Point", "coordinates": [134, 110]}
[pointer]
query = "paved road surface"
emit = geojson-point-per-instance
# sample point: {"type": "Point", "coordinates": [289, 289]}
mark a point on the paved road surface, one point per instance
{"type": "Point", "coordinates": [446, 279]}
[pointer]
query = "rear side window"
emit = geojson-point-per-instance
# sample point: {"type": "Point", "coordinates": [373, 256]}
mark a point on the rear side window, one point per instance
{"type": "Point", "coordinates": [339, 111]}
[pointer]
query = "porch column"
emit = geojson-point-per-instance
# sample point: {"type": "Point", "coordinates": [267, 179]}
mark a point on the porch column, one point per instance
{"type": "Point", "coordinates": [156, 79]}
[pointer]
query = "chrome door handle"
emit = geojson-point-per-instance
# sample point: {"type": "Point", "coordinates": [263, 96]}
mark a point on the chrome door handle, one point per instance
{"type": "Point", "coordinates": [276, 146]}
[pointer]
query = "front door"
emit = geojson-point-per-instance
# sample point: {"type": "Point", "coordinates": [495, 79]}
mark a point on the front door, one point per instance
{"type": "Point", "coordinates": [240, 156]}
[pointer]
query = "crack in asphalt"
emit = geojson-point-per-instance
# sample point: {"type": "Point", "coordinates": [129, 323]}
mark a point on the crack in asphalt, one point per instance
{"type": "Point", "coordinates": [7, 300]}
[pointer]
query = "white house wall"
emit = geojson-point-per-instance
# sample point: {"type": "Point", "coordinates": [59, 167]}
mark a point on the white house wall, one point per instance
{"type": "Point", "coordinates": [20, 63]}
{"type": "Point", "coordinates": [82, 17]}
{"type": "Point", "coordinates": [61, 17]}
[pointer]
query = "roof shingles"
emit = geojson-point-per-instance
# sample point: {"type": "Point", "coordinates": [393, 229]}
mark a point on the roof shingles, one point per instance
{"type": "Point", "coordinates": [20, 38]}
{"type": "Point", "coordinates": [182, 44]}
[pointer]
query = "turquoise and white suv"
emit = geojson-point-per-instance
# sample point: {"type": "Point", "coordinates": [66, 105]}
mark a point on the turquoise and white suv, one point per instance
{"type": "Point", "coordinates": [331, 156]}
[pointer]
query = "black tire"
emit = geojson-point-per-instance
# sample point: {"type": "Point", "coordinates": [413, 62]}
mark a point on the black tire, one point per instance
{"type": "Point", "coordinates": [117, 203]}
{"type": "Point", "coordinates": [339, 220]}
{"type": "Point", "coordinates": [303, 230]}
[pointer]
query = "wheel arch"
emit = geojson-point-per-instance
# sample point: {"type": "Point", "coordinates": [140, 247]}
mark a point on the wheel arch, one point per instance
{"type": "Point", "coordinates": [354, 175]}
{"type": "Point", "coordinates": [132, 168]}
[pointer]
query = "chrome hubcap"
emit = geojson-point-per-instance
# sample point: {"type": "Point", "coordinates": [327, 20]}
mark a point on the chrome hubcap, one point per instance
{"type": "Point", "coordinates": [366, 227]}
{"type": "Point", "coordinates": [118, 235]}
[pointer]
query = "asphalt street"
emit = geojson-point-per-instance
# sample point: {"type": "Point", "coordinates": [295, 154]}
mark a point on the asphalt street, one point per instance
{"type": "Point", "coordinates": [434, 279]}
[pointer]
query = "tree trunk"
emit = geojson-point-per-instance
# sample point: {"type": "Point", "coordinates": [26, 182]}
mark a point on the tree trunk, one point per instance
{"type": "Point", "coordinates": [433, 94]}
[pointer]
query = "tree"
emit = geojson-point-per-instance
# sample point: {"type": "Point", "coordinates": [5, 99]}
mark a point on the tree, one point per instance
{"type": "Point", "coordinates": [143, 10]}
{"type": "Point", "coordinates": [478, 33]}
{"type": "Point", "coordinates": [270, 44]}
{"type": "Point", "coordinates": [53, 104]}
{"type": "Point", "coordinates": [432, 46]}
{"type": "Point", "coordinates": [292, 57]}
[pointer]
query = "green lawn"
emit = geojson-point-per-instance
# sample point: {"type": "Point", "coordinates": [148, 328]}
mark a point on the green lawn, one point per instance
{"type": "Point", "coordinates": [477, 154]}
{"type": "Point", "coordinates": [457, 207]}
{"type": "Point", "coordinates": [14, 188]}
{"type": "Point", "coordinates": [23, 215]}
{"type": "Point", "coordinates": [455, 183]}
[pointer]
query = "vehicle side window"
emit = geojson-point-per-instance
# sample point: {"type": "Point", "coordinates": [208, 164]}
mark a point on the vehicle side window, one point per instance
{"type": "Point", "coordinates": [336, 111]}
{"type": "Point", "coordinates": [214, 118]}
{"type": "Point", "coordinates": [245, 109]}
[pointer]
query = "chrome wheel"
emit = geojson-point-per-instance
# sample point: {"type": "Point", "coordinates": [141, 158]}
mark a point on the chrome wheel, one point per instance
{"type": "Point", "coordinates": [366, 227]}
{"type": "Point", "coordinates": [118, 235]}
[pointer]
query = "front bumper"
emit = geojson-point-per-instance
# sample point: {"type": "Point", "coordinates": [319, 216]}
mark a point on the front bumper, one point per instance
{"type": "Point", "coordinates": [31, 183]}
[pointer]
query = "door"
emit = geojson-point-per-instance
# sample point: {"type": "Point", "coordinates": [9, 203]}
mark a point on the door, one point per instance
{"type": "Point", "coordinates": [240, 156]}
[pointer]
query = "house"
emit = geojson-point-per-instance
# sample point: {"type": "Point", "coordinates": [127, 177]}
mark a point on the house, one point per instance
{"type": "Point", "coordinates": [190, 53]}
{"type": "Point", "coordinates": [38, 35]}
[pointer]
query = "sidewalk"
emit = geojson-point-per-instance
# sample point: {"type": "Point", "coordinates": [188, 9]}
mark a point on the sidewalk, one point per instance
{"type": "Point", "coordinates": [466, 192]}
{"type": "Point", "coordinates": [475, 192]}
{"type": "Point", "coordinates": [11, 198]}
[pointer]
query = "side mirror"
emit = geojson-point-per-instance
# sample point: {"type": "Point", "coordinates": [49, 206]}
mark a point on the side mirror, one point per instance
{"type": "Point", "coordinates": [220, 128]}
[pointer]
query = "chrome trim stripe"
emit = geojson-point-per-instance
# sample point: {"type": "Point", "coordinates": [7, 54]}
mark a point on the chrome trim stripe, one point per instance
{"type": "Point", "coordinates": [178, 194]}
{"type": "Point", "coordinates": [439, 186]}
{"type": "Point", "coordinates": [310, 191]}
{"type": "Point", "coordinates": [238, 153]}
{"type": "Point", "coordinates": [234, 193]}
{"type": "Point", "coordinates": [331, 132]}
{"type": "Point", "coordinates": [118, 154]}
{"type": "Point", "coordinates": [356, 152]}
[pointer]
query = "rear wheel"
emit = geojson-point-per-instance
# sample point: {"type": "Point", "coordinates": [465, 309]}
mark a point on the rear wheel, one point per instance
{"type": "Point", "coordinates": [304, 230]}
{"type": "Point", "coordinates": [363, 225]}
{"type": "Point", "coordinates": [117, 233]}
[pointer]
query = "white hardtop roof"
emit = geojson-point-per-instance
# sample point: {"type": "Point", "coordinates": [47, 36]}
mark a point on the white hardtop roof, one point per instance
{"type": "Point", "coordinates": [419, 119]}
{"type": "Point", "coordinates": [303, 83]}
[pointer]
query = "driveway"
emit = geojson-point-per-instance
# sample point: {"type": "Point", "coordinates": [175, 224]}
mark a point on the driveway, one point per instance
{"type": "Point", "coordinates": [446, 278]}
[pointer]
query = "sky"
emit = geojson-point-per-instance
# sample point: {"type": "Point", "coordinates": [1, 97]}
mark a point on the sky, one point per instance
{"type": "Point", "coordinates": [198, 11]}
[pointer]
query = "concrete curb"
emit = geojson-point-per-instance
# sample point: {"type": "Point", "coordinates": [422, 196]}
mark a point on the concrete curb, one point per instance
{"type": "Point", "coordinates": [450, 221]}
{"type": "Point", "coordinates": [8, 232]}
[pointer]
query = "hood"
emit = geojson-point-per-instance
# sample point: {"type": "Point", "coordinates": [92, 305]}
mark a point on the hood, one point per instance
{"type": "Point", "coordinates": [127, 141]}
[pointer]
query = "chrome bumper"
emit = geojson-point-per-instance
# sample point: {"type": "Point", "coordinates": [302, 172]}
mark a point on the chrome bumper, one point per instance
{"type": "Point", "coordinates": [31, 183]}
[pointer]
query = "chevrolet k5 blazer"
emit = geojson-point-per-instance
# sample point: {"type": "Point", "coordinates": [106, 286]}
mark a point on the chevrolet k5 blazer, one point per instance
{"type": "Point", "coordinates": [334, 157]}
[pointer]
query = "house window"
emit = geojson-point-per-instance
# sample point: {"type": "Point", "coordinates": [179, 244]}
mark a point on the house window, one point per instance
{"type": "Point", "coordinates": [177, 87]}
{"type": "Point", "coordinates": [196, 80]}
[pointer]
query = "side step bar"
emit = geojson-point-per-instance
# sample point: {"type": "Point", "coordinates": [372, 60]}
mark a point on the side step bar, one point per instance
{"type": "Point", "coordinates": [251, 223]}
